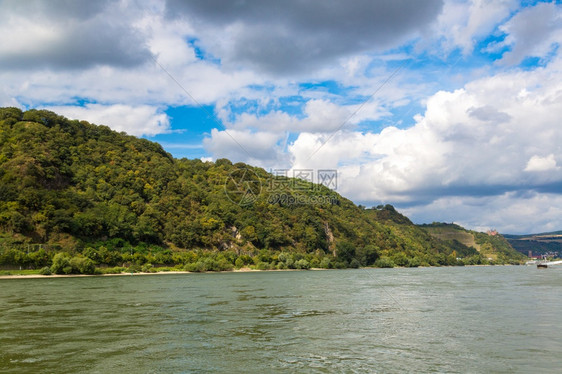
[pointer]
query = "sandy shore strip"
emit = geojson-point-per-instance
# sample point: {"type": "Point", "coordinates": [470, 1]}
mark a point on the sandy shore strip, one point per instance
{"type": "Point", "coordinates": [35, 276]}
{"type": "Point", "coordinates": [241, 270]}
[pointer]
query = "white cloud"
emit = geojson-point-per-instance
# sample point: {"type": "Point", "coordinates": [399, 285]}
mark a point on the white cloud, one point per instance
{"type": "Point", "coordinates": [143, 85]}
{"type": "Point", "coordinates": [257, 148]}
{"type": "Point", "coordinates": [318, 116]}
{"type": "Point", "coordinates": [47, 58]}
{"type": "Point", "coordinates": [69, 35]}
{"type": "Point", "coordinates": [470, 146]}
{"type": "Point", "coordinates": [461, 23]}
{"type": "Point", "coordinates": [537, 163]}
{"type": "Point", "coordinates": [329, 151]}
{"type": "Point", "coordinates": [167, 41]}
{"type": "Point", "coordinates": [509, 213]}
{"type": "Point", "coordinates": [534, 31]}
{"type": "Point", "coordinates": [25, 37]}
{"type": "Point", "coordinates": [139, 120]}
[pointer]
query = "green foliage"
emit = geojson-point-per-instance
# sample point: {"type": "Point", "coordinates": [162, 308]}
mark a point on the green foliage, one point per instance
{"type": "Point", "coordinates": [326, 263]}
{"type": "Point", "coordinates": [469, 245]}
{"type": "Point", "coordinates": [302, 264]}
{"type": "Point", "coordinates": [260, 265]}
{"type": "Point", "coordinates": [148, 268]}
{"type": "Point", "coordinates": [195, 267]}
{"type": "Point", "coordinates": [354, 264]}
{"type": "Point", "coordinates": [61, 264]}
{"type": "Point", "coordinates": [414, 262]}
{"type": "Point", "coordinates": [82, 265]}
{"type": "Point", "coordinates": [134, 268]}
{"type": "Point", "coordinates": [113, 270]}
{"type": "Point", "coordinates": [19, 272]}
{"type": "Point", "coordinates": [538, 247]}
{"type": "Point", "coordinates": [384, 262]}
{"type": "Point", "coordinates": [210, 264]}
{"type": "Point", "coordinates": [400, 259]}
{"type": "Point", "coordinates": [367, 255]}
{"type": "Point", "coordinates": [345, 251]}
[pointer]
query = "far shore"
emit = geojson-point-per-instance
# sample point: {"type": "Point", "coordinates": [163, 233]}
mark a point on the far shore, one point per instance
{"type": "Point", "coordinates": [241, 270]}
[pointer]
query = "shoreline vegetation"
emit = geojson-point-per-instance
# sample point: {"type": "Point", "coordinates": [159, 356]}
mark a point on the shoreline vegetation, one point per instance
{"type": "Point", "coordinates": [165, 272]}
{"type": "Point", "coordinates": [3, 274]}
{"type": "Point", "coordinates": [101, 261]}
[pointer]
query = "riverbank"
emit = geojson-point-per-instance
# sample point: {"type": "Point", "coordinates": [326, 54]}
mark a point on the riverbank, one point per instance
{"type": "Point", "coordinates": [241, 270]}
{"type": "Point", "coordinates": [39, 276]}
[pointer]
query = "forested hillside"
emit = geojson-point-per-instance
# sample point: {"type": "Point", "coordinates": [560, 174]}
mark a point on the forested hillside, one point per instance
{"type": "Point", "coordinates": [492, 245]}
{"type": "Point", "coordinates": [548, 244]}
{"type": "Point", "coordinates": [97, 198]}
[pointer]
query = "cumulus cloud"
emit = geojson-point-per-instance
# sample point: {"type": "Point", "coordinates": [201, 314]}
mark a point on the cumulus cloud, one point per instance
{"type": "Point", "coordinates": [461, 23]}
{"type": "Point", "coordinates": [538, 163]}
{"type": "Point", "coordinates": [69, 34]}
{"type": "Point", "coordinates": [318, 116]}
{"type": "Point", "coordinates": [534, 32]}
{"type": "Point", "coordinates": [141, 85]}
{"type": "Point", "coordinates": [476, 143]}
{"type": "Point", "coordinates": [488, 113]}
{"type": "Point", "coordinates": [139, 120]}
{"type": "Point", "coordinates": [280, 37]}
{"type": "Point", "coordinates": [257, 148]}
{"type": "Point", "coordinates": [510, 212]}
{"type": "Point", "coordinates": [166, 41]}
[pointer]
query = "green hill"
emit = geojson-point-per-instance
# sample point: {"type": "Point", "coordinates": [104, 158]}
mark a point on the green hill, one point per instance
{"type": "Point", "coordinates": [546, 243]}
{"type": "Point", "coordinates": [75, 196]}
{"type": "Point", "coordinates": [492, 246]}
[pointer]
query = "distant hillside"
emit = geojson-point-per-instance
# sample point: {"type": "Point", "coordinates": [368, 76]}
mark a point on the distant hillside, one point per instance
{"type": "Point", "coordinates": [547, 243]}
{"type": "Point", "coordinates": [490, 245]}
{"type": "Point", "coordinates": [110, 199]}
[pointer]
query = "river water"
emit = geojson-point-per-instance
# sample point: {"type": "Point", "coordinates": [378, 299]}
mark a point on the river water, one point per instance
{"type": "Point", "coordinates": [451, 320]}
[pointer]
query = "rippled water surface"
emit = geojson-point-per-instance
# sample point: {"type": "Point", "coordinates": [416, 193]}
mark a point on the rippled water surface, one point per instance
{"type": "Point", "coordinates": [473, 319]}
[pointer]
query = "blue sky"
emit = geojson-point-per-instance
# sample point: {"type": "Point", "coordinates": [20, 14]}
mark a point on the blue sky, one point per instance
{"type": "Point", "coordinates": [447, 109]}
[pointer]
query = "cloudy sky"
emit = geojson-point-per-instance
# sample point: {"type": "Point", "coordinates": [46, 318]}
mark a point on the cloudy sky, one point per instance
{"type": "Point", "coordinates": [449, 110]}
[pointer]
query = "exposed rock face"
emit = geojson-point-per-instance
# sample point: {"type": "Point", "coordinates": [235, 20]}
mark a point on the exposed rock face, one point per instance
{"type": "Point", "coordinates": [330, 237]}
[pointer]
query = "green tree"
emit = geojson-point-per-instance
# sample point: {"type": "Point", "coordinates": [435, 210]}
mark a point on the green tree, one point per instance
{"type": "Point", "coordinates": [367, 255]}
{"type": "Point", "coordinates": [384, 262]}
{"type": "Point", "coordinates": [61, 264]}
{"type": "Point", "coordinates": [82, 265]}
{"type": "Point", "coordinates": [345, 251]}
